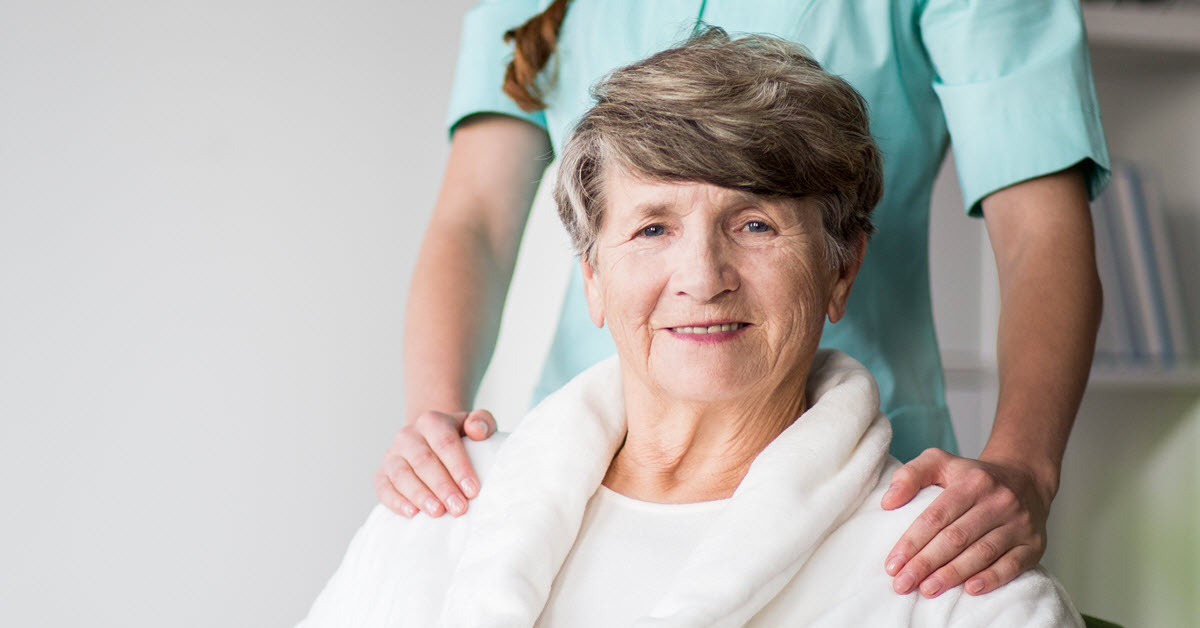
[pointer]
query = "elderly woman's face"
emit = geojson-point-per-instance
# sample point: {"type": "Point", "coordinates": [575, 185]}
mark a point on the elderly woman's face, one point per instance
{"type": "Point", "coordinates": [711, 293]}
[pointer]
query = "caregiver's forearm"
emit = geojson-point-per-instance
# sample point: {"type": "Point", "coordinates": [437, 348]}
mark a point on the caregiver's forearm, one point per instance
{"type": "Point", "coordinates": [1050, 294]}
{"type": "Point", "coordinates": [454, 306]}
{"type": "Point", "coordinates": [466, 261]}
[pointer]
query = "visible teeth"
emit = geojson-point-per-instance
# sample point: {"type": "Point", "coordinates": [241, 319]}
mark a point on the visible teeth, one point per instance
{"type": "Point", "coordinates": [711, 329]}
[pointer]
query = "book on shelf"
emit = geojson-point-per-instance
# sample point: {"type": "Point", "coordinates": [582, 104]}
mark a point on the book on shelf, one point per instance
{"type": "Point", "coordinates": [1144, 322]}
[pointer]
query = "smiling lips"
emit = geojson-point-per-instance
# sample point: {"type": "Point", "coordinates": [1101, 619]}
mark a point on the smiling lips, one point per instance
{"type": "Point", "coordinates": [708, 329]}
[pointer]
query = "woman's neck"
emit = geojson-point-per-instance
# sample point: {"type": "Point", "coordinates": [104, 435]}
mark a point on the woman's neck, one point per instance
{"type": "Point", "coordinates": [679, 452]}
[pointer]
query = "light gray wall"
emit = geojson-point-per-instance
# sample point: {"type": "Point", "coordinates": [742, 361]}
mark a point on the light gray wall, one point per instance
{"type": "Point", "coordinates": [208, 216]}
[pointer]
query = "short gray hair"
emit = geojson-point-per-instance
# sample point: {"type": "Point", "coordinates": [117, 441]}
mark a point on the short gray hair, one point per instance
{"type": "Point", "coordinates": [756, 114]}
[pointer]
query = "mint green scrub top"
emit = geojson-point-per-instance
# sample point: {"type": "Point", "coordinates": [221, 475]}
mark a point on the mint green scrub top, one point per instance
{"type": "Point", "coordinates": [1008, 82]}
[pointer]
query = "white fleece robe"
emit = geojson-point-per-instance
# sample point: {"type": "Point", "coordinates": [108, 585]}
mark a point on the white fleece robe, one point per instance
{"type": "Point", "coordinates": [801, 543]}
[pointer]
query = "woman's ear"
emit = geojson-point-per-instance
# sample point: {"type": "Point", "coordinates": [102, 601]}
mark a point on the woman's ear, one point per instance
{"type": "Point", "coordinates": [593, 291]}
{"type": "Point", "coordinates": [845, 279]}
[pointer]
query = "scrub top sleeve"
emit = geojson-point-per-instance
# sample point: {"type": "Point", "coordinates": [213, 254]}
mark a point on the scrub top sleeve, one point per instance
{"type": "Point", "coordinates": [482, 59]}
{"type": "Point", "coordinates": [1015, 83]}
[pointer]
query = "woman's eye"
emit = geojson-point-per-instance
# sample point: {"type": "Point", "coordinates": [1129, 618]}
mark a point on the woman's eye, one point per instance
{"type": "Point", "coordinates": [756, 226]}
{"type": "Point", "coordinates": [652, 231]}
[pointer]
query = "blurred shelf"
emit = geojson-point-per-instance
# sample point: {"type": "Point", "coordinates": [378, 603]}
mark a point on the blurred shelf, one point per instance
{"type": "Point", "coordinates": [1162, 27]}
{"type": "Point", "coordinates": [1145, 377]}
{"type": "Point", "coordinates": [965, 371]}
{"type": "Point", "coordinates": [1132, 40]}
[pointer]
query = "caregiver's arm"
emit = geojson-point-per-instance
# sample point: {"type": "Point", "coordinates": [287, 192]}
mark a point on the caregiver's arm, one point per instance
{"type": "Point", "coordinates": [455, 300]}
{"type": "Point", "coordinates": [989, 525]}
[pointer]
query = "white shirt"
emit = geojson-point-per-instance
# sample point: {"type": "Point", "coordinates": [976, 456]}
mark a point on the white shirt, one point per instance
{"type": "Point", "coordinates": [627, 554]}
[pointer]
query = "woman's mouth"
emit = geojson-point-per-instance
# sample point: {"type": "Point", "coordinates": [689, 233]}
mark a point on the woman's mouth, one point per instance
{"type": "Point", "coordinates": [708, 329]}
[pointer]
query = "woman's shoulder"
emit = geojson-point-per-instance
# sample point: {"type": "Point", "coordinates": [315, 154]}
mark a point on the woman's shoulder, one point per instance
{"type": "Point", "coordinates": [1034, 598]}
{"type": "Point", "coordinates": [391, 553]}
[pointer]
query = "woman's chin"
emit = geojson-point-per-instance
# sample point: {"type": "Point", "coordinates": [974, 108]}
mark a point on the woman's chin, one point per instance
{"type": "Point", "coordinates": [710, 383]}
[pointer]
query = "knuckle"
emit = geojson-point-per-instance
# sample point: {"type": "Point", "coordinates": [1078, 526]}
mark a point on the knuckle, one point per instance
{"type": "Point", "coordinates": [935, 454]}
{"type": "Point", "coordinates": [1007, 568]}
{"type": "Point", "coordinates": [921, 565]}
{"type": "Point", "coordinates": [444, 440]}
{"type": "Point", "coordinates": [978, 479]}
{"type": "Point", "coordinates": [404, 441]}
{"type": "Point", "coordinates": [422, 458]}
{"type": "Point", "coordinates": [905, 547]}
{"type": "Point", "coordinates": [1007, 499]}
{"type": "Point", "coordinates": [396, 469]}
{"type": "Point", "coordinates": [988, 549]}
{"type": "Point", "coordinates": [951, 575]}
{"type": "Point", "coordinates": [935, 515]}
{"type": "Point", "coordinates": [1023, 520]}
{"type": "Point", "coordinates": [427, 419]}
{"type": "Point", "coordinates": [402, 468]}
{"type": "Point", "coordinates": [957, 536]}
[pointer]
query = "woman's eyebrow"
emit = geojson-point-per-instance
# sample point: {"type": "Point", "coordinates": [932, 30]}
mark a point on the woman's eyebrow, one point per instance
{"type": "Point", "coordinates": [742, 197]}
{"type": "Point", "coordinates": [652, 209]}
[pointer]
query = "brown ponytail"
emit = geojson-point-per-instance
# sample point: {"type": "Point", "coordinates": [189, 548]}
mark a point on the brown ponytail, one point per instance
{"type": "Point", "coordinates": [534, 43]}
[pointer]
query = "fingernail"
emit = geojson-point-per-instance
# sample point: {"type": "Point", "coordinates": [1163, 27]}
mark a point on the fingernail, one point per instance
{"type": "Point", "coordinates": [975, 587]}
{"type": "Point", "coordinates": [409, 510]}
{"type": "Point", "coordinates": [457, 505]}
{"type": "Point", "coordinates": [905, 582]}
{"type": "Point", "coordinates": [433, 507]}
{"type": "Point", "coordinates": [931, 587]}
{"type": "Point", "coordinates": [470, 487]}
{"type": "Point", "coordinates": [894, 564]}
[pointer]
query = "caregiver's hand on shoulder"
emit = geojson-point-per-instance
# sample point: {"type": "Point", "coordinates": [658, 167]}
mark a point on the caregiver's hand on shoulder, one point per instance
{"type": "Point", "coordinates": [427, 468]}
{"type": "Point", "coordinates": [987, 527]}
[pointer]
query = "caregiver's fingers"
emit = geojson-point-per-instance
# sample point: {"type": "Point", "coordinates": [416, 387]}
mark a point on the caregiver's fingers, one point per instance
{"type": "Point", "coordinates": [451, 455]}
{"type": "Point", "coordinates": [1016, 562]}
{"type": "Point", "coordinates": [908, 480]}
{"type": "Point", "coordinates": [909, 561]}
{"type": "Point", "coordinates": [416, 472]}
{"type": "Point", "coordinates": [961, 550]}
{"type": "Point", "coordinates": [479, 425]}
{"type": "Point", "coordinates": [434, 450]}
{"type": "Point", "coordinates": [998, 497]}
{"type": "Point", "coordinates": [993, 560]}
{"type": "Point", "coordinates": [409, 487]}
{"type": "Point", "coordinates": [391, 498]}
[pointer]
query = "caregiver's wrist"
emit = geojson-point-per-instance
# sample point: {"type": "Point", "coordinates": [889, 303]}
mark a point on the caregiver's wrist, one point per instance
{"type": "Point", "coordinates": [1042, 470]}
{"type": "Point", "coordinates": [444, 405]}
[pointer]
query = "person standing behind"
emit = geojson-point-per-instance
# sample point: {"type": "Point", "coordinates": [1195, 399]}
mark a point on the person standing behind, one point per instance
{"type": "Point", "coordinates": [1006, 81]}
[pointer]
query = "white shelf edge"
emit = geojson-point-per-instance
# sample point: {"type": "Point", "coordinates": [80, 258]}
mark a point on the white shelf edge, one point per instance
{"type": "Point", "coordinates": [1158, 378]}
{"type": "Point", "coordinates": [1163, 28]}
{"type": "Point", "coordinates": [959, 369]}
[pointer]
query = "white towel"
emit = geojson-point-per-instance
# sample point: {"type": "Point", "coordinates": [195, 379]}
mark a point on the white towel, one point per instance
{"type": "Point", "coordinates": [801, 542]}
{"type": "Point", "coordinates": [803, 485]}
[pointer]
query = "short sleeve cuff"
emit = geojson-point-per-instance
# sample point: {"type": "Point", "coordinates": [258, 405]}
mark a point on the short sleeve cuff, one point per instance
{"type": "Point", "coordinates": [1034, 122]}
{"type": "Point", "coordinates": [482, 59]}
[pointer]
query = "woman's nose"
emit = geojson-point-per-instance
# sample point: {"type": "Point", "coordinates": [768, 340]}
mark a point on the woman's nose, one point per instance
{"type": "Point", "coordinates": [704, 269]}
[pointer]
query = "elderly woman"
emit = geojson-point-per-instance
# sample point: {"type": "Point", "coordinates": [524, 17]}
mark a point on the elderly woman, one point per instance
{"type": "Point", "coordinates": [720, 471]}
